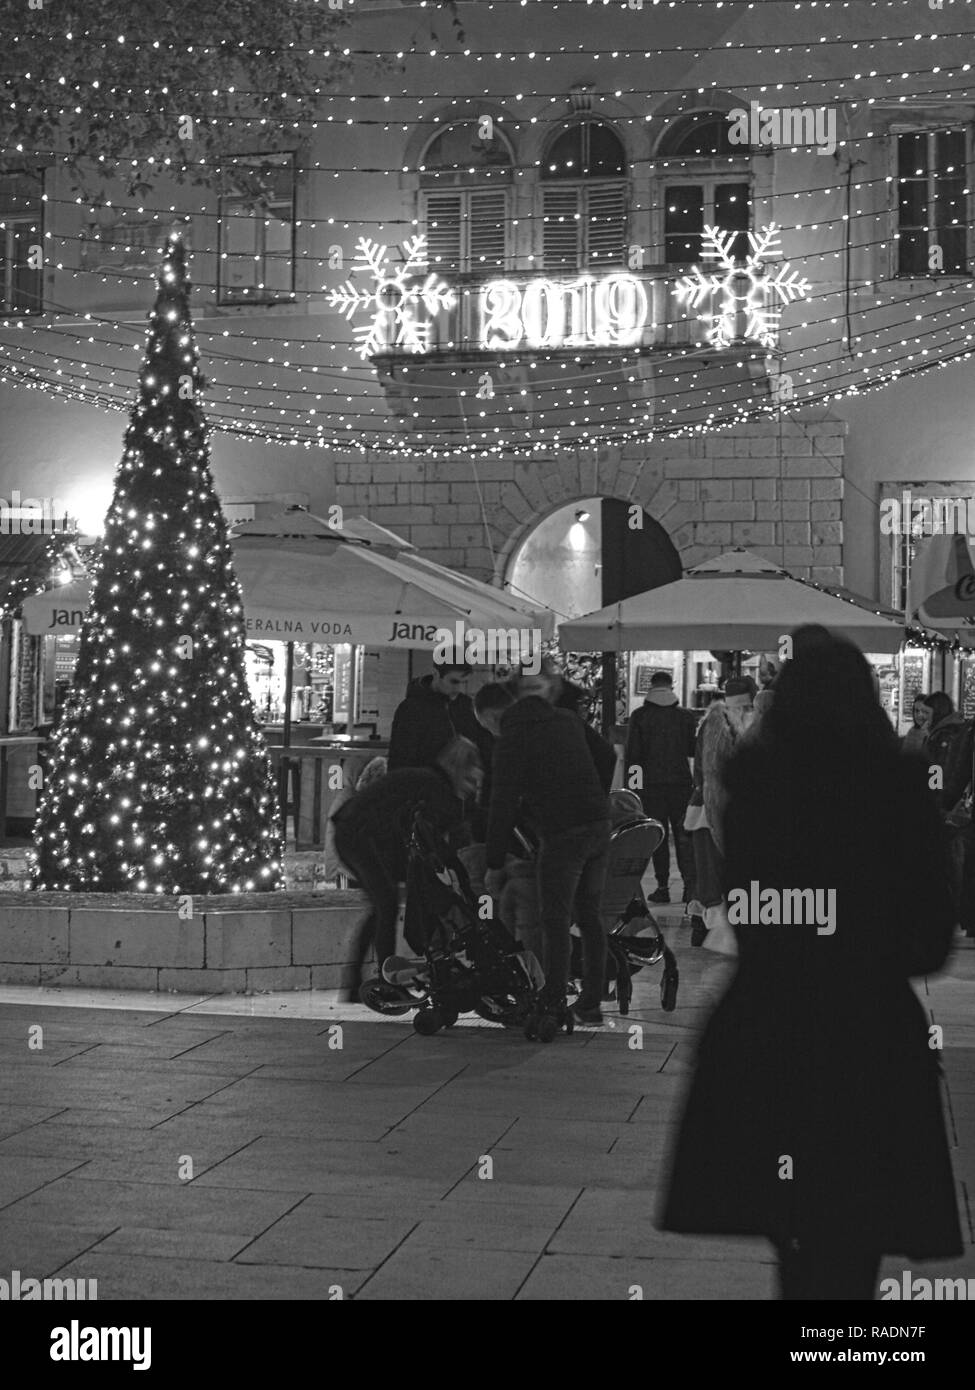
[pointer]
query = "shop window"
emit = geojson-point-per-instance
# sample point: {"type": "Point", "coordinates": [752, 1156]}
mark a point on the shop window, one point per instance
{"type": "Point", "coordinates": [21, 243]}
{"type": "Point", "coordinates": [256, 262]}
{"type": "Point", "coordinates": [465, 200]}
{"type": "Point", "coordinates": [585, 199]}
{"type": "Point", "coordinates": [932, 218]}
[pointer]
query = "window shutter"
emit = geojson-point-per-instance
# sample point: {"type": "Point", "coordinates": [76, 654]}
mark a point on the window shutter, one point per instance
{"type": "Point", "coordinates": [488, 230]}
{"type": "Point", "coordinates": [561, 228]}
{"type": "Point", "coordinates": [606, 224]}
{"type": "Point", "coordinates": [443, 229]}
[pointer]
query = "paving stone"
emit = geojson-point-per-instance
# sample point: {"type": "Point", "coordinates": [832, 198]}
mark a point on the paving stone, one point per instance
{"type": "Point", "coordinates": [623, 1224]}
{"type": "Point", "coordinates": [19, 1176]}
{"type": "Point", "coordinates": [177, 1245]}
{"type": "Point", "coordinates": [15, 1119]}
{"type": "Point", "coordinates": [328, 1242]}
{"type": "Point", "coordinates": [38, 1248]}
{"type": "Point", "coordinates": [478, 1275]}
{"type": "Point", "coordinates": [556, 1278]}
{"type": "Point", "coordinates": [140, 1278]}
{"type": "Point", "coordinates": [174, 1206]}
{"type": "Point", "coordinates": [488, 1230]}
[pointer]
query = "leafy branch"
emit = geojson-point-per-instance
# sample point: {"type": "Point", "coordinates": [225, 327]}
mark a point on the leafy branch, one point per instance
{"type": "Point", "coordinates": [167, 89]}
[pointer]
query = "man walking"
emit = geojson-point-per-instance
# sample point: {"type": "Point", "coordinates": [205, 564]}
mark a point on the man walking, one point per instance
{"type": "Point", "coordinates": [542, 767]}
{"type": "Point", "coordinates": [658, 746]}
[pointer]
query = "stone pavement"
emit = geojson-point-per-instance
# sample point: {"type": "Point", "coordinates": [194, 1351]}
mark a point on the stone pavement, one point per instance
{"type": "Point", "coordinates": [174, 1147]}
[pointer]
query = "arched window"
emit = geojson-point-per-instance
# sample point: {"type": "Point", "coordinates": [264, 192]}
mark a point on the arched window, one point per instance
{"type": "Point", "coordinates": [708, 184]}
{"type": "Point", "coordinates": [585, 195]}
{"type": "Point", "coordinates": [465, 178]}
{"type": "Point", "coordinates": [701, 135]}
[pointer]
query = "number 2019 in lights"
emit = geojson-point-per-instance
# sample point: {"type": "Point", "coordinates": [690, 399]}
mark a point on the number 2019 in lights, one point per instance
{"type": "Point", "coordinates": [587, 312]}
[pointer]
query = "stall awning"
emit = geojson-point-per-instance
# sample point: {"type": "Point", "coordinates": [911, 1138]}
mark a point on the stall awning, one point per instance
{"type": "Point", "coordinates": [737, 601]}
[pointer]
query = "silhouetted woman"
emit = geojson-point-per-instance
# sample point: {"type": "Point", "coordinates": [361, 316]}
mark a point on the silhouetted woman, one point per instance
{"type": "Point", "coordinates": [814, 1115]}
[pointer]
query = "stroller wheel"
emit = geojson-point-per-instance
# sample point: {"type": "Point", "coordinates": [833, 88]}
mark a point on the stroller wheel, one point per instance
{"type": "Point", "coordinates": [547, 1028]}
{"type": "Point", "coordinates": [668, 991]}
{"type": "Point", "coordinates": [531, 1028]}
{"type": "Point", "coordinates": [426, 1022]}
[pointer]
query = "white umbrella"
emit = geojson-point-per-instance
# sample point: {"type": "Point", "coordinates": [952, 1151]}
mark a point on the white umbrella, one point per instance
{"type": "Point", "coordinates": [306, 581]}
{"type": "Point", "coordinates": [737, 601]}
{"type": "Point", "coordinates": [941, 588]}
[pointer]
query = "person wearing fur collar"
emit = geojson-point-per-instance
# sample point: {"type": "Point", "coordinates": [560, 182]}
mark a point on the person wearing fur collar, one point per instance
{"type": "Point", "coordinates": [724, 724]}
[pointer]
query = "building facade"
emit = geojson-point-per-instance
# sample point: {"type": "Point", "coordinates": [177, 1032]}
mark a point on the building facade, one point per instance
{"type": "Point", "coordinates": [531, 353]}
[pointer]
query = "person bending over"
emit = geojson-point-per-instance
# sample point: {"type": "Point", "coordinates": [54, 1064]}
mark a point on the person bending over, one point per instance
{"type": "Point", "coordinates": [372, 832]}
{"type": "Point", "coordinates": [542, 768]}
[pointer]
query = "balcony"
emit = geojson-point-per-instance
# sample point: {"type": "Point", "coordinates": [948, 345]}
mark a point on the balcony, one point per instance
{"type": "Point", "coordinates": [611, 311]}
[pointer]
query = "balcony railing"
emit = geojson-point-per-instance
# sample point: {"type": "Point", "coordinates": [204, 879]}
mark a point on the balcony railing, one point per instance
{"type": "Point", "coordinates": [602, 311]}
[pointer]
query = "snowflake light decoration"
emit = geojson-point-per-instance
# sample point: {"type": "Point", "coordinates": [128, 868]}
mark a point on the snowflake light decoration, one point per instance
{"type": "Point", "coordinates": [393, 298]}
{"type": "Point", "coordinates": [747, 286]}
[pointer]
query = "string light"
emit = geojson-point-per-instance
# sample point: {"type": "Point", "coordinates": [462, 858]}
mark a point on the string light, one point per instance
{"type": "Point", "coordinates": [300, 387]}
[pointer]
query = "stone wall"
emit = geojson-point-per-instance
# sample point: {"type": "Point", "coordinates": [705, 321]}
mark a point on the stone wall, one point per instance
{"type": "Point", "coordinates": [226, 947]}
{"type": "Point", "coordinates": [773, 488]}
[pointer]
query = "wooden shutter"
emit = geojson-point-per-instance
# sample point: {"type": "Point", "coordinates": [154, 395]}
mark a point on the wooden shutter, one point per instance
{"type": "Point", "coordinates": [561, 228]}
{"type": "Point", "coordinates": [605, 224]}
{"type": "Point", "coordinates": [488, 230]}
{"type": "Point", "coordinates": [443, 229]}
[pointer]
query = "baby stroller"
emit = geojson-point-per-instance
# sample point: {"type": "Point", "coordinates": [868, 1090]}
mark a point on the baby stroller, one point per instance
{"type": "Point", "coordinates": [465, 964]}
{"type": "Point", "coordinates": [625, 911]}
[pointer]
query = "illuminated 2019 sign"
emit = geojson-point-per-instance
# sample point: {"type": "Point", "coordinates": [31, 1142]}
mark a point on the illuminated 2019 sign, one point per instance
{"type": "Point", "coordinates": [610, 311]}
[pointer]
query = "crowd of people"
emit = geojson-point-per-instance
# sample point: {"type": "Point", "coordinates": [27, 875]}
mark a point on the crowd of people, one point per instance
{"type": "Point", "coordinates": [518, 783]}
{"type": "Point", "coordinates": [944, 742]}
{"type": "Point", "coordinates": [813, 1116]}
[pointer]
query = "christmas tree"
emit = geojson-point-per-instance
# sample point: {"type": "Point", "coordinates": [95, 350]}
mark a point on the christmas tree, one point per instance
{"type": "Point", "coordinates": [159, 780]}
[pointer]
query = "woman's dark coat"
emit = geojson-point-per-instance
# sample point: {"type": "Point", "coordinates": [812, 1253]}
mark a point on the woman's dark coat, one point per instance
{"type": "Point", "coordinates": [817, 1062]}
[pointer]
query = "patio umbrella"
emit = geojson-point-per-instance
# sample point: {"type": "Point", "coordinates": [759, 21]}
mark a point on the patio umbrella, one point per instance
{"type": "Point", "coordinates": [941, 588]}
{"type": "Point", "coordinates": [737, 601]}
{"type": "Point", "coordinates": [304, 580]}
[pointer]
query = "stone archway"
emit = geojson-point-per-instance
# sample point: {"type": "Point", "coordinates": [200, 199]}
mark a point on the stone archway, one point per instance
{"type": "Point", "coordinates": [591, 552]}
{"type": "Point", "coordinates": [626, 473]}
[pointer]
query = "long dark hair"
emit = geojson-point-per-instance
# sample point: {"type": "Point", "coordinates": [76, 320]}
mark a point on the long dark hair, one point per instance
{"type": "Point", "coordinates": [825, 700]}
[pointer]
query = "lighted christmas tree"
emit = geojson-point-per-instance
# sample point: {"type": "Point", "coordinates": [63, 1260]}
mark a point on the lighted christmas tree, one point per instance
{"type": "Point", "coordinates": [159, 780]}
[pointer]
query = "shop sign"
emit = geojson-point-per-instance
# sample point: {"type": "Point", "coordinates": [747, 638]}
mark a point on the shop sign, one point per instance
{"type": "Point", "coordinates": [588, 311]}
{"type": "Point", "coordinates": [289, 628]}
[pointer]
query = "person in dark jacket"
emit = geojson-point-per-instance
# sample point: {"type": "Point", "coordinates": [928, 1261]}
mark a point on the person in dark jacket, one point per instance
{"type": "Point", "coordinates": [435, 710]}
{"type": "Point", "coordinates": [944, 728]}
{"type": "Point", "coordinates": [814, 1114]}
{"type": "Point", "coordinates": [958, 767]}
{"type": "Point", "coordinates": [372, 831]}
{"type": "Point", "coordinates": [543, 769]}
{"type": "Point", "coordinates": [564, 695]}
{"type": "Point", "coordinates": [658, 746]}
